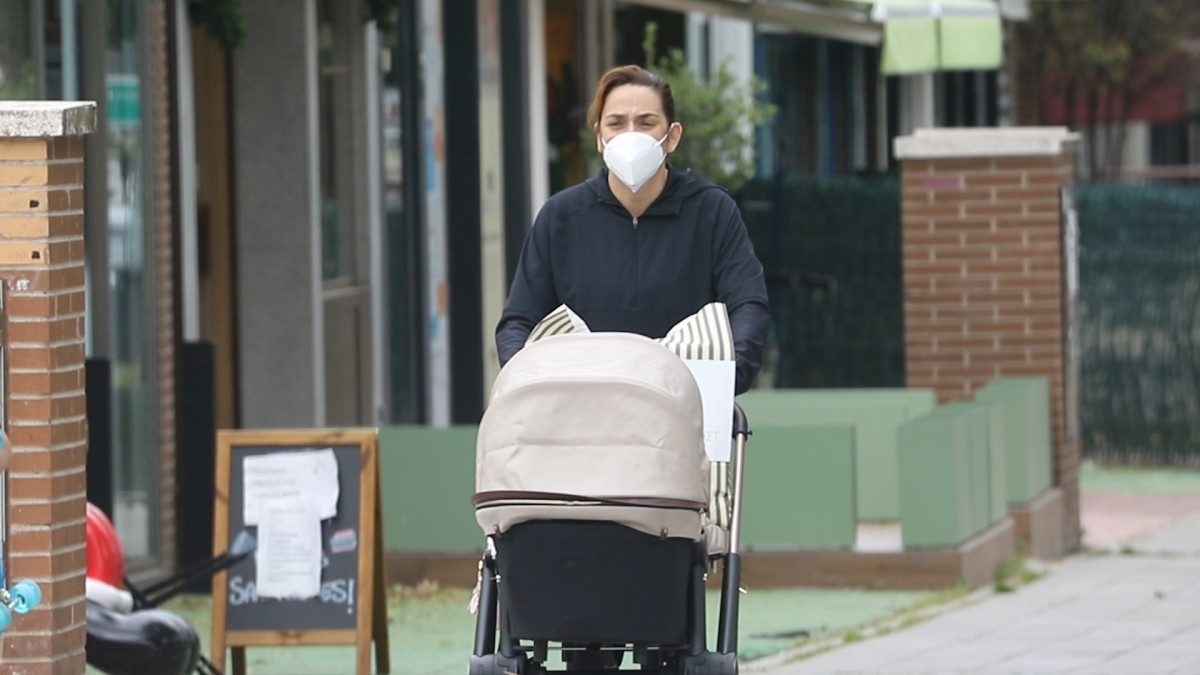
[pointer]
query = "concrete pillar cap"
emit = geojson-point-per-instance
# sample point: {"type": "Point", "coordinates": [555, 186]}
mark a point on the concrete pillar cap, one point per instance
{"type": "Point", "coordinates": [46, 119]}
{"type": "Point", "coordinates": [986, 142]}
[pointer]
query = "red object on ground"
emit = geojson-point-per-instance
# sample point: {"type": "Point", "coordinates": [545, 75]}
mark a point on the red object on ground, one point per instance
{"type": "Point", "coordinates": [105, 560]}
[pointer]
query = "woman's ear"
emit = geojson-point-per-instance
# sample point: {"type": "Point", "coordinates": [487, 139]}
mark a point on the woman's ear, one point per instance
{"type": "Point", "coordinates": [599, 145]}
{"type": "Point", "coordinates": [674, 135]}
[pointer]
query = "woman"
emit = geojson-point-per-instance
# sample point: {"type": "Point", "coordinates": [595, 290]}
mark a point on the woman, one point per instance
{"type": "Point", "coordinates": [642, 245]}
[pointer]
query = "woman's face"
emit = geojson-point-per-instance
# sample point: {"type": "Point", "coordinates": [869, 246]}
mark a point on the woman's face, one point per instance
{"type": "Point", "coordinates": [632, 107]}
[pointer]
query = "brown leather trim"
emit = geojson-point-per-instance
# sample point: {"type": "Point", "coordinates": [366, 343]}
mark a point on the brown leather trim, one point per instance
{"type": "Point", "coordinates": [521, 495]}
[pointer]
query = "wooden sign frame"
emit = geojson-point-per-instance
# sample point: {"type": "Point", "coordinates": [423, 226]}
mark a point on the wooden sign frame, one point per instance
{"type": "Point", "coordinates": [370, 594]}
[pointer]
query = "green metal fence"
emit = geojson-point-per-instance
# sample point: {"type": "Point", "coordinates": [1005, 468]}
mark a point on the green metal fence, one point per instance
{"type": "Point", "coordinates": [831, 249]}
{"type": "Point", "coordinates": [1139, 322]}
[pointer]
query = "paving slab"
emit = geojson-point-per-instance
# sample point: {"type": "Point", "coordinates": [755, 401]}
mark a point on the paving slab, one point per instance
{"type": "Point", "coordinates": [1137, 612]}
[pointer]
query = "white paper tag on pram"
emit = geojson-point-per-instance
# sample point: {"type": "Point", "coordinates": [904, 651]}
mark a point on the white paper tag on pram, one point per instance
{"type": "Point", "coordinates": [716, 380]}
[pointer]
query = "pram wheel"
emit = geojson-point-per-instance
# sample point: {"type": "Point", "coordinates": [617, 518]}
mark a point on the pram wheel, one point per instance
{"type": "Point", "coordinates": [498, 664]}
{"type": "Point", "coordinates": [709, 663]}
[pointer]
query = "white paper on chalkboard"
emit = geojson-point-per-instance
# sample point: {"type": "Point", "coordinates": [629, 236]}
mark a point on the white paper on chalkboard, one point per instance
{"type": "Point", "coordinates": [309, 475]}
{"type": "Point", "coordinates": [288, 559]}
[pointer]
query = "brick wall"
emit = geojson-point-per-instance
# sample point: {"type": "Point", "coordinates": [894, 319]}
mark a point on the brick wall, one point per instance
{"type": "Point", "coordinates": [42, 271]}
{"type": "Point", "coordinates": [984, 274]}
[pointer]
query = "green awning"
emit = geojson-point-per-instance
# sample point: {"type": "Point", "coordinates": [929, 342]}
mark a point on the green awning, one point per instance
{"type": "Point", "coordinates": [921, 36]}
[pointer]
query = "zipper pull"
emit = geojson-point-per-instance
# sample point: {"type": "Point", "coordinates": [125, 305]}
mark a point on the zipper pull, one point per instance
{"type": "Point", "coordinates": [635, 222]}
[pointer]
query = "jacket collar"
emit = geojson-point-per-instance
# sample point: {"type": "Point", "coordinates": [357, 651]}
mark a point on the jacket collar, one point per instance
{"type": "Point", "coordinates": [669, 203]}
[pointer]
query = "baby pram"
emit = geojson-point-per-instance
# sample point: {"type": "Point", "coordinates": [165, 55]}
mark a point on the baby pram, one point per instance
{"type": "Point", "coordinates": [592, 485]}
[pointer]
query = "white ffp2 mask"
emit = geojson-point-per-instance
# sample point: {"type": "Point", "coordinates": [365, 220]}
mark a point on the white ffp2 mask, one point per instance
{"type": "Point", "coordinates": [634, 157]}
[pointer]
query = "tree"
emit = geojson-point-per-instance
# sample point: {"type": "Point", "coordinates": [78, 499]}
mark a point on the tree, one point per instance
{"type": "Point", "coordinates": [1105, 55]}
{"type": "Point", "coordinates": [718, 116]}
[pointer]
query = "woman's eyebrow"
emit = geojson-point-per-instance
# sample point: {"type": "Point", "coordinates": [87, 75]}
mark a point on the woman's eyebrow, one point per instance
{"type": "Point", "coordinates": [621, 116]}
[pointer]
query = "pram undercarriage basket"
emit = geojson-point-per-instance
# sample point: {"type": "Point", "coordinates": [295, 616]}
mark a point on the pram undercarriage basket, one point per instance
{"type": "Point", "coordinates": [591, 483]}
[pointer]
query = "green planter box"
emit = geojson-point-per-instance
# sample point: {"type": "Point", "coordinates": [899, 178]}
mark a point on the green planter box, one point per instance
{"type": "Point", "coordinates": [799, 488]}
{"type": "Point", "coordinates": [988, 453]}
{"type": "Point", "coordinates": [875, 415]}
{"type": "Point", "coordinates": [427, 479]}
{"type": "Point", "coordinates": [935, 477]}
{"type": "Point", "coordinates": [1026, 410]}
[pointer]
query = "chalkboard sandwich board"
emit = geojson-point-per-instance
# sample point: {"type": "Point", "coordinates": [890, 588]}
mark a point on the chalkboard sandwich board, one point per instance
{"type": "Point", "coordinates": [310, 499]}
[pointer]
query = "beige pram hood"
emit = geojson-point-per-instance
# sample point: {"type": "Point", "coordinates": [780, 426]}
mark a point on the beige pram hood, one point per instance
{"type": "Point", "coordinates": [612, 418]}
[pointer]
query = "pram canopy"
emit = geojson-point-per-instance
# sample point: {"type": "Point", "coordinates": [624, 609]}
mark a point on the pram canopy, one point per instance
{"type": "Point", "coordinates": [593, 426]}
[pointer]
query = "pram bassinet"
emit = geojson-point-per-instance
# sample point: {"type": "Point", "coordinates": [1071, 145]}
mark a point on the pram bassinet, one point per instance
{"type": "Point", "coordinates": [591, 481]}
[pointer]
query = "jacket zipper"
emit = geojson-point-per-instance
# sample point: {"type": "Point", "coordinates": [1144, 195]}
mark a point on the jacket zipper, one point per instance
{"type": "Point", "coordinates": [637, 266]}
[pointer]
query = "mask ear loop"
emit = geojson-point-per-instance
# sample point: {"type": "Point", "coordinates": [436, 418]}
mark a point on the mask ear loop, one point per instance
{"type": "Point", "coordinates": [663, 141]}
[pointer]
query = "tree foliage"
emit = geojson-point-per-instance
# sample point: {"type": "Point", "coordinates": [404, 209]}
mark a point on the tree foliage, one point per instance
{"type": "Point", "coordinates": [1104, 56]}
{"type": "Point", "coordinates": [718, 116]}
{"type": "Point", "coordinates": [222, 21]}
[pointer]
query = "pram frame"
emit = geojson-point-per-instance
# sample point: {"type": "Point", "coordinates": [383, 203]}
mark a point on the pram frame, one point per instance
{"type": "Point", "coordinates": [496, 652]}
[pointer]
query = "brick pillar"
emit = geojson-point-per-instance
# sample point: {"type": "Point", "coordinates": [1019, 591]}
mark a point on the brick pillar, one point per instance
{"type": "Point", "coordinates": [42, 273]}
{"type": "Point", "coordinates": [987, 289]}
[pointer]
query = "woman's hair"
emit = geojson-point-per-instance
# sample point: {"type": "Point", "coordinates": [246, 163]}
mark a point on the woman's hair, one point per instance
{"type": "Point", "coordinates": [623, 75]}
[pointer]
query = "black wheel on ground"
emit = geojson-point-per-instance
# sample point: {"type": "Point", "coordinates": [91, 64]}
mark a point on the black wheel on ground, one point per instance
{"type": "Point", "coordinates": [709, 663]}
{"type": "Point", "coordinates": [497, 664]}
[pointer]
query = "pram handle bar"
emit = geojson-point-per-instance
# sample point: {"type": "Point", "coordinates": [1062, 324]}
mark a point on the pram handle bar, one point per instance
{"type": "Point", "coordinates": [727, 630]}
{"type": "Point", "coordinates": [741, 430]}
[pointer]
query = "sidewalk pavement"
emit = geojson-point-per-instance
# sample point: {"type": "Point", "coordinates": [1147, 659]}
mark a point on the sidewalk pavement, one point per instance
{"type": "Point", "coordinates": [1129, 604]}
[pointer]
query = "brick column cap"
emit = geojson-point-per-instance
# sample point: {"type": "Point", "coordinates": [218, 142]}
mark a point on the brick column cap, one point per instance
{"type": "Point", "coordinates": [46, 119]}
{"type": "Point", "coordinates": [986, 142]}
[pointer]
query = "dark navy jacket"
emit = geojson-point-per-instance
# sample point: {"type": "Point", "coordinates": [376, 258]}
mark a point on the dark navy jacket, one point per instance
{"type": "Point", "coordinates": [641, 276]}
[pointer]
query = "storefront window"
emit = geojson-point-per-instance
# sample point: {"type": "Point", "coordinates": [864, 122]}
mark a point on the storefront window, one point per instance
{"type": "Point", "coordinates": [398, 117]}
{"type": "Point", "coordinates": [135, 469]}
{"type": "Point", "coordinates": [565, 104]}
{"type": "Point", "coordinates": [337, 188]}
{"type": "Point", "coordinates": [40, 57]}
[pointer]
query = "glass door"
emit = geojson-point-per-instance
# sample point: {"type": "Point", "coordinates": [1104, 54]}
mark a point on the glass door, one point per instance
{"type": "Point", "coordinates": [131, 319]}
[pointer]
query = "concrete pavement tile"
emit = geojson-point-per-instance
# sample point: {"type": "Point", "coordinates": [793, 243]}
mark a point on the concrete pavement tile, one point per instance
{"type": "Point", "coordinates": [1053, 659]}
{"type": "Point", "coordinates": [1154, 659]}
{"type": "Point", "coordinates": [1178, 615]}
{"type": "Point", "coordinates": [1091, 614]}
{"type": "Point", "coordinates": [1043, 630]}
{"type": "Point", "coordinates": [1179, 538]}
{"type": "Point", "coordinates": [1189, 668]}
{"type": "Point", "coordinates": [1188, 639]}
{"type": "Point", "coordinates": [879, 654]}
{"type": "Point", "coordinates": [1135, 633]}
{"type": "Point", "coordinates": [970, 656]}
